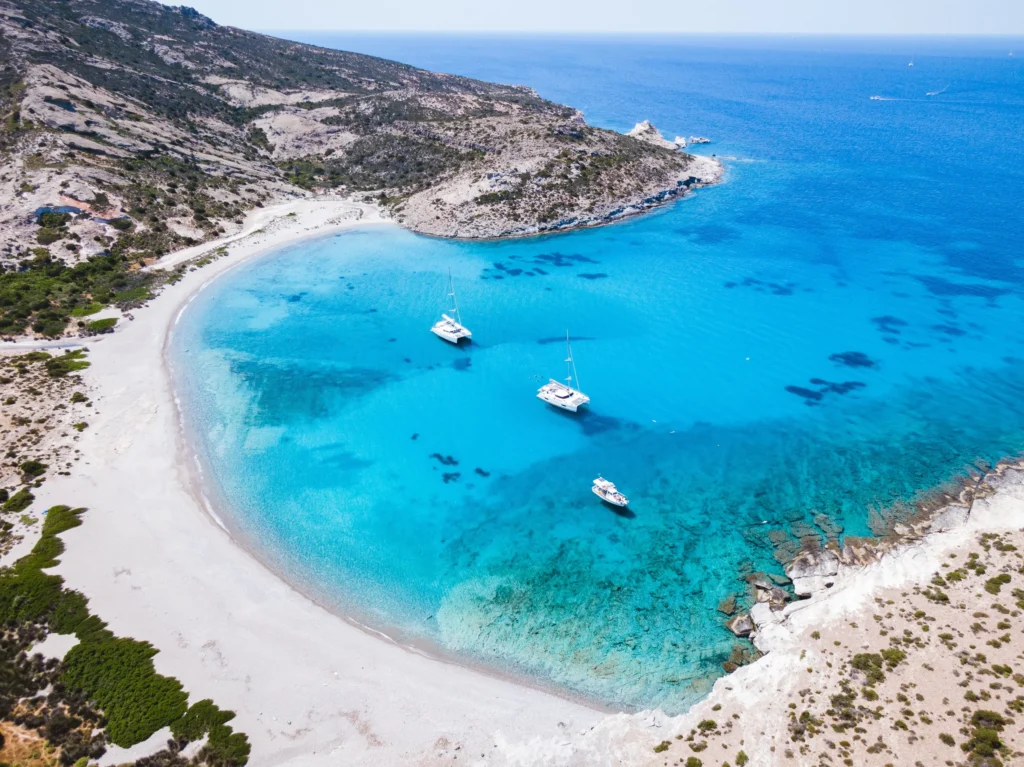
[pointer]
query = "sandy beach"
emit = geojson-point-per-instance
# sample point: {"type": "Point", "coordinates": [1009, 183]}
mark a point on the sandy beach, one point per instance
{"type": "Point", "coordinates": [308, 687]}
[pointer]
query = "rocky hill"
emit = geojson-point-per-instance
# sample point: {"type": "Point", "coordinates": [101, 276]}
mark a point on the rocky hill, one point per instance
{"type": "Point", "coordinates": [130, 129]}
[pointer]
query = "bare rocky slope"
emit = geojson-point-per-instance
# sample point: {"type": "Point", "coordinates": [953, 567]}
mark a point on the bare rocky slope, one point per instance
{"type": "Point", "coordinates": [129, 129]}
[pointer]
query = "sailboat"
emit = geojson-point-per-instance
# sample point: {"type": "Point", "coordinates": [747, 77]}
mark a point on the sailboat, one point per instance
{"type": "Point", "coordinates": [563, 395]}
{"type": "Point", "coordinates": [450, 327]}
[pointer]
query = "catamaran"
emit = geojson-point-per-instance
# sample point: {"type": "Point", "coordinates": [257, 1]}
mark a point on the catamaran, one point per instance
{"type": "Point", "coordinates": [608, 493]}
{"type": "Point", "coordinates": [450, 327]}
{"type": "Point", "coordinates": [562, 395]}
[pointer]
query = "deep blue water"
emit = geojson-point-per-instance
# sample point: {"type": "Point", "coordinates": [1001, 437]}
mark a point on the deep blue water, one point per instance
{"type": "Point", "coordinates": [801, 351]}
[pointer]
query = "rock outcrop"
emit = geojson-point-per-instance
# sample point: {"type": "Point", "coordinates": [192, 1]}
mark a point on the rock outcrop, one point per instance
{"type": "Point", "coordinates": [741, 625]}
{"type": "Point", "coordinates": [813, 570]}
{"type": "Point", "coordinates": [646, 132]}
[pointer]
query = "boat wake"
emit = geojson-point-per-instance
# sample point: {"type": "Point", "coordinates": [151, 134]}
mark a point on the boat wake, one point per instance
{"type": "Point", "coordinates": [936, 93]}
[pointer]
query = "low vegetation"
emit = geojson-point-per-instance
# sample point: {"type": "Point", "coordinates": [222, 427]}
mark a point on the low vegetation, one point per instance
{"type": "Point", "coordinates": [104, 680]}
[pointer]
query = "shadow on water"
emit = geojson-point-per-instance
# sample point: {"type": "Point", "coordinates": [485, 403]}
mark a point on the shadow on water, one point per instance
{"type": "Point", "coordinates": [620, 511]}
{"type": "Point", "coordinates": [590, 422]}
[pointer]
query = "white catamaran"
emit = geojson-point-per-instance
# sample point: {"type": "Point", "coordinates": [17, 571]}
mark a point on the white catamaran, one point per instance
{"type": "Point", "coordinates": [450, 328]}
{"type": "Point", "coordinates": [562, 395]}
{"type": "Point", "coordinates": [608, 493]}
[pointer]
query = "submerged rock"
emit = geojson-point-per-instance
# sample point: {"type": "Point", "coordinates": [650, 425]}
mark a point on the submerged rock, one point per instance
{"type": "Point", "coordinates": [741, 625]}
{"type": "Point", "coordinates": [740, 656]}
{"type": "Point", "coordinates": [728, 605]}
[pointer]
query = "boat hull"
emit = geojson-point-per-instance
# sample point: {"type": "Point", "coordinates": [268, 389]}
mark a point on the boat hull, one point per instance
{"type": "Point", "coordinates": [570, 399]}
{"type": "Point", "coordinates": [452, 338]}
{"type": "Point", "coordinates": [623, 503]}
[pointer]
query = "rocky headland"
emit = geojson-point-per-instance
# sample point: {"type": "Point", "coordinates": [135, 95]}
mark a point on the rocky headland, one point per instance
{"type": "Point", "coordinates": [133, 129]}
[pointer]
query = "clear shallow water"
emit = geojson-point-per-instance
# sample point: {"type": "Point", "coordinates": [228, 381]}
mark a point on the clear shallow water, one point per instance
{"type": "Point", "coordinates": [428, 489]}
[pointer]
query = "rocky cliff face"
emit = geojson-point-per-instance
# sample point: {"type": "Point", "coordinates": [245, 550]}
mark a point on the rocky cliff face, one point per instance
{"type": "Point", "coordinates": [93, 87]}
{"type": "Point", "coordinates": [130, 129]}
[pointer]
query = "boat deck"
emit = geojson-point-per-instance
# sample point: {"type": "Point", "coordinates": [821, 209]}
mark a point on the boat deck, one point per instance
{"type": "Point", "coordinates": [562, 396]}
{"type": "Point", "coordinates": [450, 330]}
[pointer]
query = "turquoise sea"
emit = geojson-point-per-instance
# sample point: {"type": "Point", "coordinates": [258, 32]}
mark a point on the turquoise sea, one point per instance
{"type": "Point", "coordinates": [801, 351]}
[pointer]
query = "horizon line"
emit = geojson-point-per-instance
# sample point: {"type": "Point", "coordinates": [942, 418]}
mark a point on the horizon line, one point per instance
{"type": "Point", "coordinates": [652, 33]}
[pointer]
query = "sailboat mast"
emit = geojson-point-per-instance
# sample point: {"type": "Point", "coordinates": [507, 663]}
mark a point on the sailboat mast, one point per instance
{"type": "Point", "coordinates": [451, 294]}
{"type": "Point", "coordinates": [570, 364]}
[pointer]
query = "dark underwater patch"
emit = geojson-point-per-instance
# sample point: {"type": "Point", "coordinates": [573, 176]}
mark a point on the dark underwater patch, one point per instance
{"type": "Point", "coordinates": [949, 330]}
{"type": "Point", "coordinates": [939, 287]}
{"type": "Point", "coordinates": [853, 360]}
{"type": "Point", "coordinates": [451, 476]}
{"type": "Point", "coordinates": [482, 472]}
{"type": "Point", "coordinates": [561, 339]}
{"type": "Point", "coordinates": [761, 286]}
{"type": "Point", "coordinates": [294, 298]}
{"type": "Point", "coordinates": [285, 392]}
{"type": "Point", "coordinates": [815, 396]}
{"type": "Point", "coordinates": [444, 460]}
{"type": "Point", "coordinates": [595, 423]}
{"type": "Point", "coordinates": [810, 395]}
{"type": "Point", "coordinates": [888, 324]}
{"type": "Point", "coordinates": [710, 234]}
{"type": "Point", "coordinates": [592, 275]}
{"type": "Point", "coordinates": [563, 259]}
{"type": "Point", "coordinates": [843, 387]}
{"type": "Point", "coordinates": [463, 363]}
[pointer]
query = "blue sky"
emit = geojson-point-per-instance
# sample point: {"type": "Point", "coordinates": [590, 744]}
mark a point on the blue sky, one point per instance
{"type": "Point", "coordinates": [721, 16]}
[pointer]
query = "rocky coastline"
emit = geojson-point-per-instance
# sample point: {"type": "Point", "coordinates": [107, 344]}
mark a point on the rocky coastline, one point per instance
{"type": "Point", "coordinates": [817, 569]}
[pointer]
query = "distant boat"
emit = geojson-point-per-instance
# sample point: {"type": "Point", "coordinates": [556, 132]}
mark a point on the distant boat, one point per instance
{"type": "Point", "coordinates": [608, 493]}
{"type": "Point", "coordinates": [877, 98]}
{"type": "Point", "coordinates": [450, 328]}
{"type": "Point", "coordinates": [562, 395]}
{"type": "Point", "coordinates": [699, 140]}
{"type": "Point", "coordinates": [911, 63]}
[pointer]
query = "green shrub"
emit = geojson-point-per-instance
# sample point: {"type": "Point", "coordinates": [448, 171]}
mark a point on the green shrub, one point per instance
{"type": "Point", "coordinates": [114, 672]}
{"type": "Point", "coordinates": [135, 294]}
{"type": "Point", "coordinates": [694, 762]}
{"type": "Point", "coordinates": [20, 501]}
{"type": "Point", "coordinates": [663, 746]}
{"type": "Point", "coordinates": [101, 326]}
{"type": "Point", "coordinates": [871, 665]}
{"type": "Point", "coordinates": [69, 362]}
{"type": "Point", "coordinates": [993, 585]}
{"type": "Point", "coordinates": [33, 468]}
{"type": "Point", "coordinates": [48, 236]}
{"type": "Point", "coordinates": [78, 397]}
{"type": "Point", "coordinates": [893, 657]}
{"type": "Point", "coordinates": [85, 310]}
{"type": "Point", "coordinates": [990, 719]}
{"type": "Point", "coordinates": [122, 224]}
{"type": "Point", "coordinates": [984, 742]}
{"type": "Point", "coordinates": [741, 759]}
{"type": "Point", "coordinates": [118, 674]}
{"type": "Point", "coordinates": [947, 739]}
{"type": "Point", "coordinates": [198, 720]}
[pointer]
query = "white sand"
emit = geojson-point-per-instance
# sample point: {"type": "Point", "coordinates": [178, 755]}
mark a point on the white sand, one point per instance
{"type": "Point", "coordinates": [308, 687]}
{"type": "Point", "coordinates": [760, 692]}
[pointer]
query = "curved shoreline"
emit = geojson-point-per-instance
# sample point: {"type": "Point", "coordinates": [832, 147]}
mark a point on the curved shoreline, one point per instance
{"type": "Point", "coordinates": [185, 583]}
{"type": "Point", "coordinates": [209, 497]}
{"type": "Point", "coordinates": [307, 687]}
